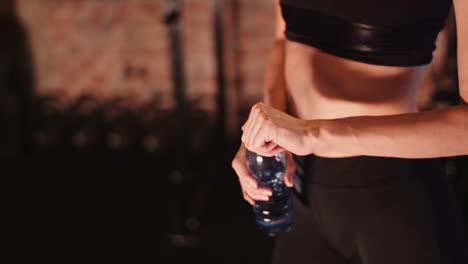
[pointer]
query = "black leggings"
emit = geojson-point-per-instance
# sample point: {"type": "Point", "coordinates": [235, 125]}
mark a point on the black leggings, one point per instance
{"type": "Point", "coordinates": [373, 210]}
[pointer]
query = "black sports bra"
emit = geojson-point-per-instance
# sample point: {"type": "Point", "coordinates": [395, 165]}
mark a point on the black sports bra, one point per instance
{"type": "Point", "coordinates": [389, 32]}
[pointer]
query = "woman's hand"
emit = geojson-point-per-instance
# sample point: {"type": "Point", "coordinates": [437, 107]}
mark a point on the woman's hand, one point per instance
{"type": "Point", "coordinates": [250, 188]}
{"type": "Point", "coordinates": [269, 131]}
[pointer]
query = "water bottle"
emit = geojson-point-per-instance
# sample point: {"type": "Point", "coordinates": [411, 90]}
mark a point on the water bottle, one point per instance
{"type": "Point", "coordinates": [276, 214]}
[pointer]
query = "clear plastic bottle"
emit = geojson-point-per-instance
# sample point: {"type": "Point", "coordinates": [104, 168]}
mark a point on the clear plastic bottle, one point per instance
{"type": "Point", "coordinates": [276, 214]}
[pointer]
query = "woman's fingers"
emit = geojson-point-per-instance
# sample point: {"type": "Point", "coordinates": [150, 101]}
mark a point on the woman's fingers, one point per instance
{"type": "Point", "coordinates": [267, 125]}
{"type": "Point", "coordinates": [255, 123]}
{"type": "Point", "coordinates": [264, 151]}
{"type": "Point", "coordinates": [243, 173]}
{"type": "Point", "coordinates": [259, 139]}
{"type": "Point", "coordinates": [251, 199]}
{"type": "Point", "coordinates": [271, 146]}
{"type": "Point", "coordinates": [259, 194]}
{"type": "Point", "coordinates": [290, 171]}
{"type": "Point", "coordinates": [246, 135]}
{"type": "Point", "coordinates": [248, 198]}
{"type": "Point", "coordinates": [248, 183]}
{"type": "Point", "coordinates": [259, 132]}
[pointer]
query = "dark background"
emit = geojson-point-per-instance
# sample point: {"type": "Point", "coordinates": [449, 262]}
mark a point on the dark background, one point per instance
{"type": "Point", "coordinates": [97, 181]}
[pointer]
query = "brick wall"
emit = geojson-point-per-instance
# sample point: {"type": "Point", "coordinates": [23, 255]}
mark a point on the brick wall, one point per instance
{"type": "Point", "coordinates": [105, 48]}
{"type": "Point", "coordinates": [120, 47]}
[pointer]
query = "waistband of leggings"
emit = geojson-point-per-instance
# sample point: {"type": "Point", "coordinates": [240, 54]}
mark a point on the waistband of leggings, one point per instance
{"type": "Point", "coordinates": [362, 170]}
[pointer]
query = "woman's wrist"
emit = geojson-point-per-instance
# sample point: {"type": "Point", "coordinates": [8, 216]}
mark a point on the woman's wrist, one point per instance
{"type": "Point", "coordinates": [332, 138]}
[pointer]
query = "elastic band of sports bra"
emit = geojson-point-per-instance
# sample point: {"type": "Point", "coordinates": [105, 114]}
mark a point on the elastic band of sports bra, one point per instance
{"type": "Point", "coordinates": [395, 45]}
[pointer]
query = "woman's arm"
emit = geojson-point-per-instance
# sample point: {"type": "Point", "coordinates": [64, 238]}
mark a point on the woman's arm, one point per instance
{"type": "Point", "coordinates": [437, 133]}
{"type": "Point", "coordinates": [274, 91]}
{"type": "Point", "coordinates": [428, 134]}
{"type": "Point", "coordinates": [274, 95]}
{"type": "Point", "coordinates": [461, 21]}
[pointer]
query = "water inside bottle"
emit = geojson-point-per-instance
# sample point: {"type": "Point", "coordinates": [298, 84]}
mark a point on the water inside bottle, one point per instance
{"type": "Point", "coordinates": [275, 215]}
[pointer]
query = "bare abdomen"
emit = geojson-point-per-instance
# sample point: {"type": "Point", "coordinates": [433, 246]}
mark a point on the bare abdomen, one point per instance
{"type": "Point", "coordinates": [322, 86]}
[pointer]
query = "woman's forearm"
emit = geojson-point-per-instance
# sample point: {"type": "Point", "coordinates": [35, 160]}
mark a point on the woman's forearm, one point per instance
{"type": "Point", "coordinates": [274, 92]}
{"type": "Point", "coordinates": [274, 88]}
{"type": "Point", "coordinates": [429, 134]}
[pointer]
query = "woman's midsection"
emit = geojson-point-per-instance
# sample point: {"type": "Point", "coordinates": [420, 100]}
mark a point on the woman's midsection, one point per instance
{"type": "Point", "coordinates": [322, 86]}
